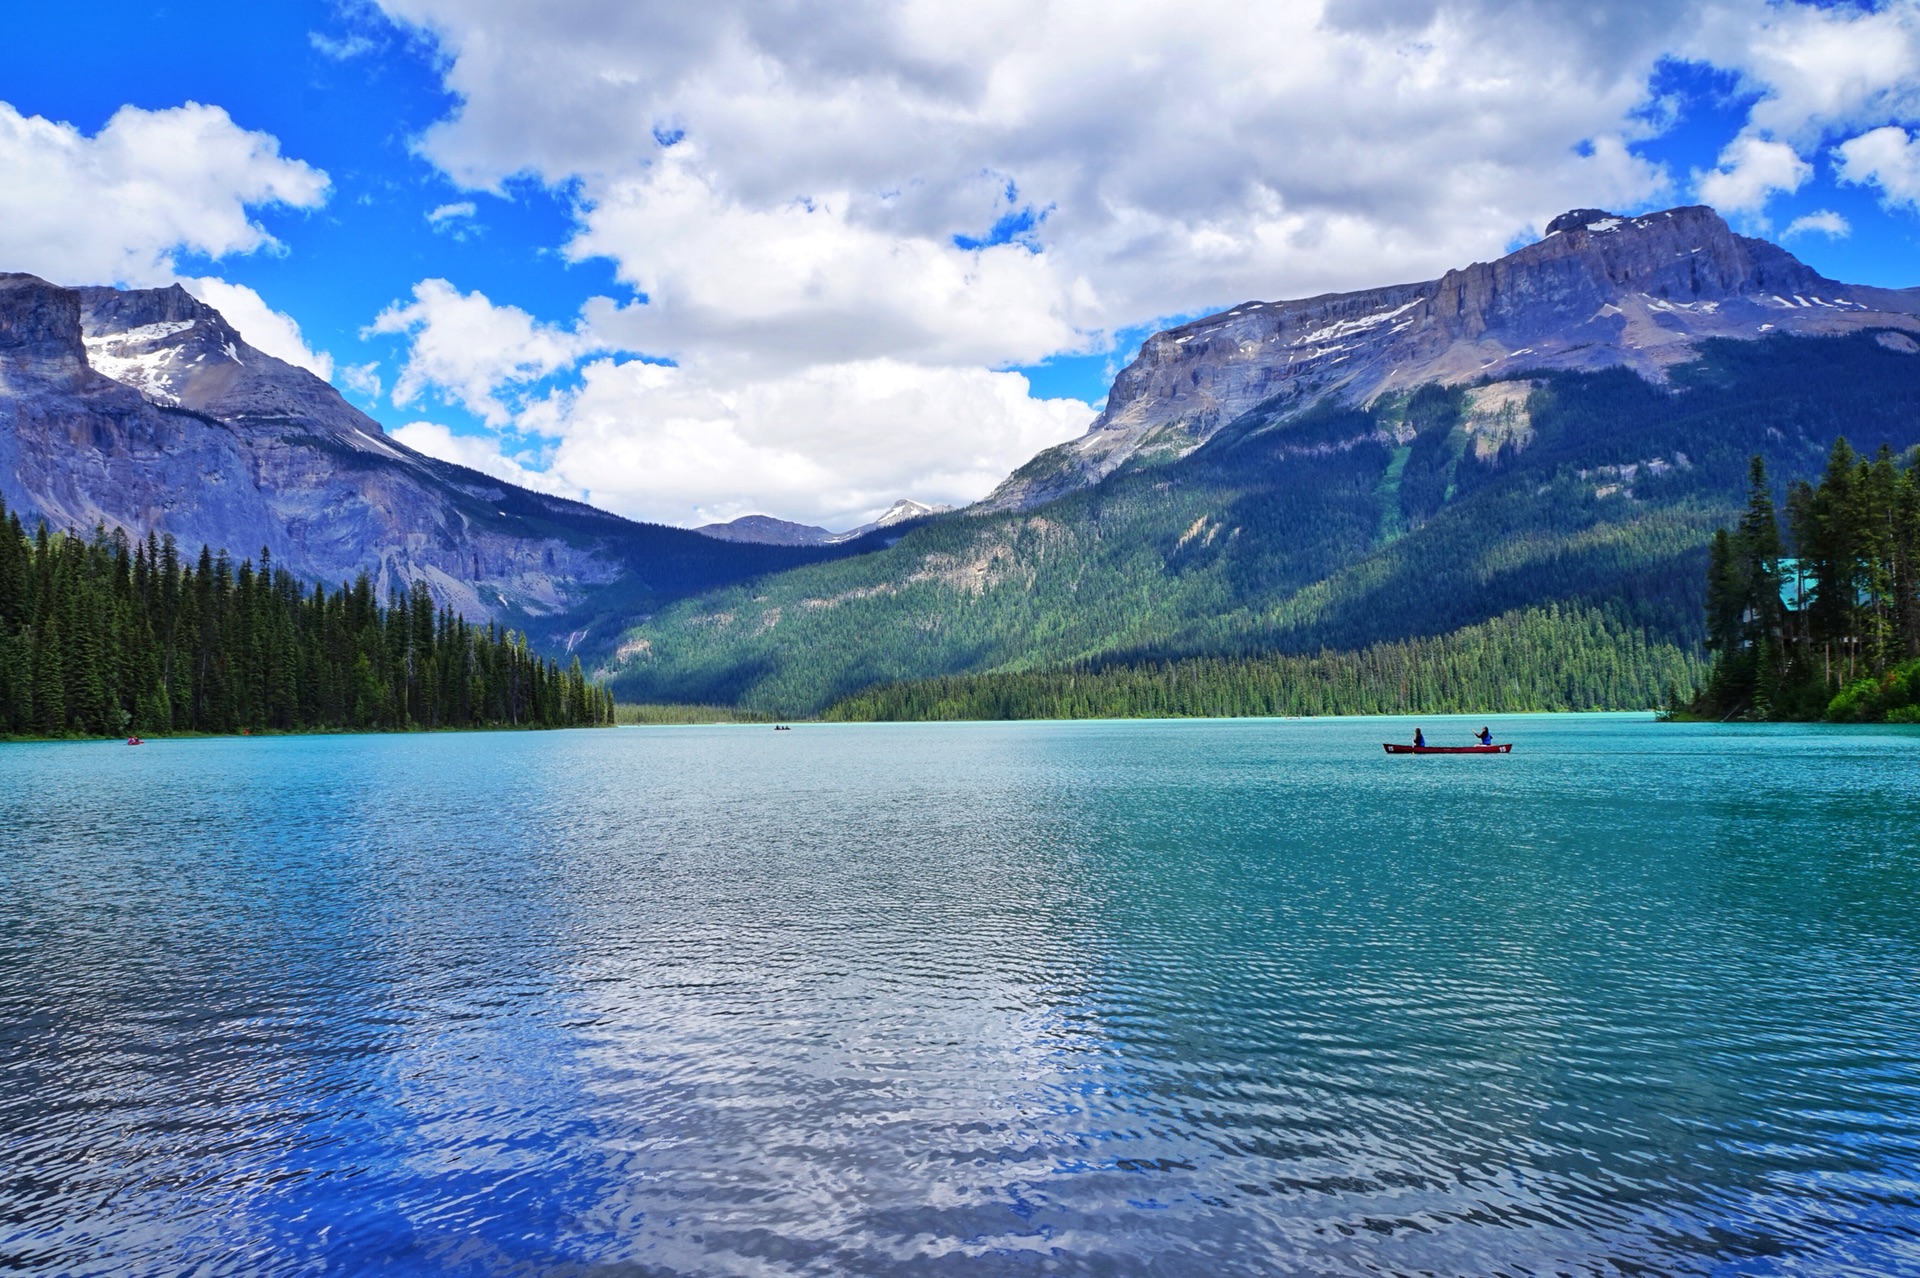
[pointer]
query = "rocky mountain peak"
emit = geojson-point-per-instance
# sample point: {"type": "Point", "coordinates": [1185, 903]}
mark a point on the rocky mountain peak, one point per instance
{"type": "Point", "coordinates": [181, 353]}
{"type": "Point", "coordinates": [1579, 218]}
{"type": "Point", "coordinates": [1598, 290]}
{"type": "Point", "coordinates": [903, 510]}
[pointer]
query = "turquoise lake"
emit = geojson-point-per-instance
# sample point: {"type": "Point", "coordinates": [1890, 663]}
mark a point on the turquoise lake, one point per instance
{"type": "Point", "coordinates": [1159, 998]}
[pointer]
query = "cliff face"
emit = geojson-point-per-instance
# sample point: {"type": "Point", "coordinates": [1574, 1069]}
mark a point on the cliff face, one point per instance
{"type": "Point", "coordinates": [1598, 291]}
{"type": "Point", "coordinates": [145, 410]}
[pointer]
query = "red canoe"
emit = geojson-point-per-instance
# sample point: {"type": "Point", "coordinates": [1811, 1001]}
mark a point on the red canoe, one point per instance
{"type": "Point", "coordinates": [1393, 747]}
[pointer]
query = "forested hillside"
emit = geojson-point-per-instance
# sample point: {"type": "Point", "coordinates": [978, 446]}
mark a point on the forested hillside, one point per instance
{"type": "Point", "coordinates": [1335, 528]}
{"type": "Point", "coordinates": [1539, 659]}
{"type": "Point", "coordinates": [108, 637]}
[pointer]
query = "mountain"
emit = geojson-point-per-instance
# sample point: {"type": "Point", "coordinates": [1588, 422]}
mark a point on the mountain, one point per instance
{"type": "Point", "coordinates": [906, 510]}
{"type": "Point", "coordinates": [1599, 291]}
{"type": "Point", "coordinates": [1563, 428]}
{"type": "Point", "coordinates": [768, 531]}
{"type": "Point", "coordinates": [145, 410]}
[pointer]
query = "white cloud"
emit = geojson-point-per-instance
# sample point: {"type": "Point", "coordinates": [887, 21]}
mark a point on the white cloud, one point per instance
{"type": "Point", "coordinates": [1822, 222]}
{"type": "Point", "coordinates": [1887, 158]}
{"type": "Point", "coordinates": [832, 444]}
{"type": "Point", "coordinates": [266, 329]}
{"type": "Point", "coordinates": [1752, 170]}
{"type": "Point", "coordinates": [1817, 69]}
{"type": "Point", "coordinates": [456, 220]}
{"type": "Point", "coordinates": [1183, 154]}
{"type": "Point", "coordinates": [351, 45]}
{"type": "Point", "coordinates": [472, 351]}
{"type": "Point", "coordinates": [118, 206]}
{"type": "Point", "coordinates": [806, 282]}
{"type": "Point", "coordinates": [481, 453]}
{"type": "Point", "coordinates": [362, 379]}
{"type": "Point", "coordinates": [463, 209]}
{"type": "Point", "coordinates": [1819, 72]}
{"type": "Point", "coordinates": [805, 192]}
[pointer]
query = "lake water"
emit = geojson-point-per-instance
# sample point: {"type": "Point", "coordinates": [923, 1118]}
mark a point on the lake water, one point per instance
{"type": "Point", "coordinates": [1211, 998]}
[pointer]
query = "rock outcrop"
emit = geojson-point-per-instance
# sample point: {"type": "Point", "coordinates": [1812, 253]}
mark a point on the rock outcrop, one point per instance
{"type": "Point", "coordinates": [1597, 291]}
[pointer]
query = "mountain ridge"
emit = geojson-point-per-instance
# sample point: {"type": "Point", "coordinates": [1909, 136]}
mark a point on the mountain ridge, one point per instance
{"type": "Point", "coordinates": [768, 531]}
{"type": "Point", "coordinates": [1597, 291]}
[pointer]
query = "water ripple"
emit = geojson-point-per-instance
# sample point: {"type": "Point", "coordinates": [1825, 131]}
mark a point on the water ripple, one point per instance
{"type": "Point", "coordinates": [1215, 999]}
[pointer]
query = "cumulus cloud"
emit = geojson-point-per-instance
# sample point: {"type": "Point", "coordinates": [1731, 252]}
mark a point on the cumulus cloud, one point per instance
{"type": "Point", "coordinates": [1817, 71]}
{"type": "Point", "coordinates": [1753, 170]}
{"type": "Point", "coordinates": [1885, 157]}
{"type": "Point", "coordinates": [1180, 155]}
{"type": "Point", "coordinates": [275, 332]}
{"type": "Point", "coordinates": [362, 379]}
{"type": "Point", "coordinates": [1816, 68]}
{"type": "Point", "coordinates": [808, 281]}
{"type": "Point", "coordinates": [481, 453]}
{"type": "Point", "coordinates": [116, 208]}
{"type": "Point", "coordinates": [913, 194]}
{"type": "Point", "coordinates": [473, 352]}
{"type": "Point", "coordinates": [832, 444]}
{"type": "Point", "coordinates": [1822, 222]}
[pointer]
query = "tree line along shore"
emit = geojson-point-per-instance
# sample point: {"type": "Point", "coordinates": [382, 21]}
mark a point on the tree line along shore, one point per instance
{"type": "Point", "coordinates": [106, 636]}
{"type": "Point", "coordinates": [1535, 659]}
{"type": "Point", "coordinates": [1819, 621]}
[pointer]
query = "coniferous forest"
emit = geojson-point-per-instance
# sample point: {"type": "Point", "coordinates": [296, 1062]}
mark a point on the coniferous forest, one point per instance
{"type": "Point", "coordinates": [1535, 659]}
{"type": "Point", "coordinates": [1824, 622]}
{"type": "Point", "coordinates": [111, 637]}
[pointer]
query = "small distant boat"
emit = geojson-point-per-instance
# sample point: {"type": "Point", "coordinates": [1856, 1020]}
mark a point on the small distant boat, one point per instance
{"type": "Point", "coordinates": [1394, 747]}
{"type": "Point", "coordinates": [135, 741]}
{"type": "Point", "coordinates": [781, 727]}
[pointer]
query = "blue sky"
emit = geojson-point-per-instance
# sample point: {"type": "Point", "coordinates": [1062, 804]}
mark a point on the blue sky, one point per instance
{"type": "Point", "coordinates": [743, 259]}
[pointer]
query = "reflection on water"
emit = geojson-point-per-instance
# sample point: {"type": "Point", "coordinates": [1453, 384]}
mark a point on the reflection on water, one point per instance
{"type": "Point", "coordinates": [1167, 998]}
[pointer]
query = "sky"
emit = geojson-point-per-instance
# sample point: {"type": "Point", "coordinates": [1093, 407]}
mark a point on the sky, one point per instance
{"type": "Point", "coordinates": [808, 257]}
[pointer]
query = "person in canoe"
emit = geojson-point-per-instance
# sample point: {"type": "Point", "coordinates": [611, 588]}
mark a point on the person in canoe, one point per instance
{"type": "Point", "coordinates": [1419, 739]}
{"type": "Point", "coordinates": [1484, 736]}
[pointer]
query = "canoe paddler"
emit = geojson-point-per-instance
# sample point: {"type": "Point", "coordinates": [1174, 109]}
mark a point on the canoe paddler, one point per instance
{"type": "Point", "coordinates": [1419, 739]}
{"type": "Point", "coordinates": [1485, 736]}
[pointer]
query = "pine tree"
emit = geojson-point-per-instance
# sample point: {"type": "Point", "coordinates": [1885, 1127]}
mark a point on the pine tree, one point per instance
{"type": "Point", "coordinates": [105, 635]}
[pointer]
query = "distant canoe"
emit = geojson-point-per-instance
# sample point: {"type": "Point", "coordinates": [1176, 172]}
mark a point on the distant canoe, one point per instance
{"type": "Point", "coordinates": [1392, 747]}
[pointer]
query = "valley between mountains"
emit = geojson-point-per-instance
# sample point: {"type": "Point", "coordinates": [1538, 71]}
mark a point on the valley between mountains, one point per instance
{"type": "Point", "coordinates": [1515, 469]}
